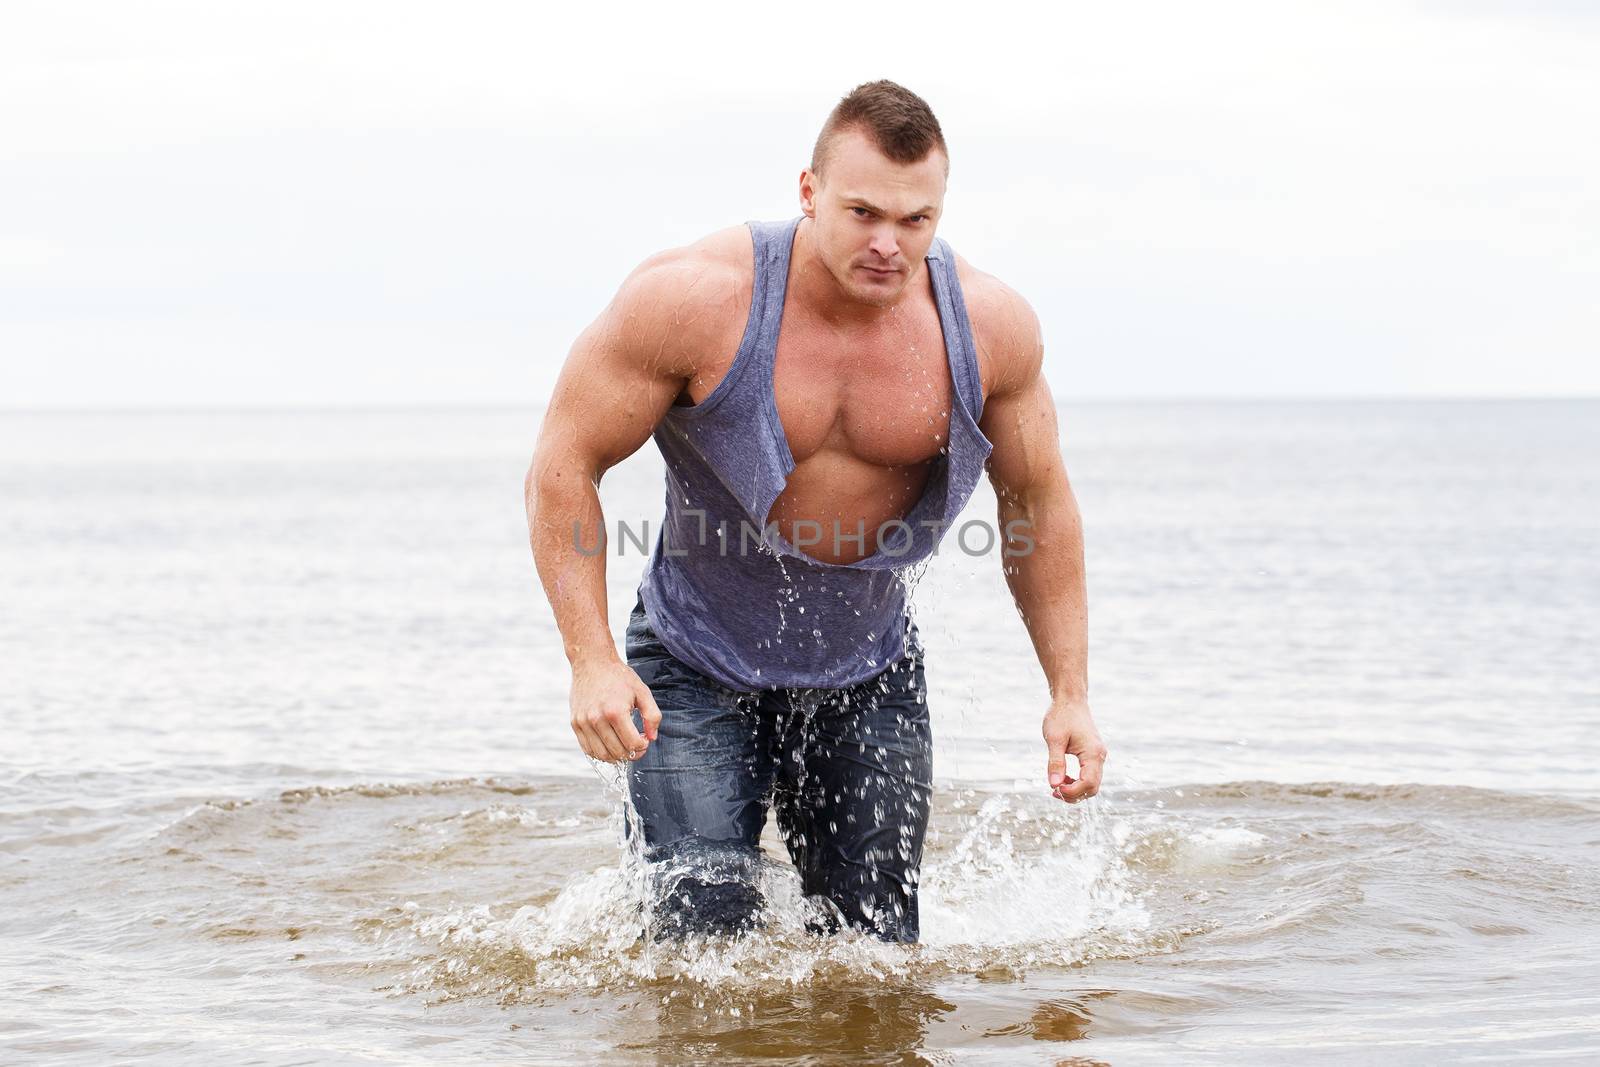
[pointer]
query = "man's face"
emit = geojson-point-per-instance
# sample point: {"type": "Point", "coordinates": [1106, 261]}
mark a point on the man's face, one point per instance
{"type": "Point", "coordinates": [873, 218]}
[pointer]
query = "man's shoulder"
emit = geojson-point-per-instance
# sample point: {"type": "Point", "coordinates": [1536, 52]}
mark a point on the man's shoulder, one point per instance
{"type": "Point", "coordinates": [1004, 328]}
{"type": "Point", "coordinates": [685, 303]}
{"type": "Point", "coordinates": [711, 266]}
{"type": "Point", "coordinates": [695, 293]}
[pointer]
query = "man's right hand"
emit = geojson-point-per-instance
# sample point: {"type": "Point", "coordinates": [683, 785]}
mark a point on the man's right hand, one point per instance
{"type": "Point", "coordinates": [604, 694]}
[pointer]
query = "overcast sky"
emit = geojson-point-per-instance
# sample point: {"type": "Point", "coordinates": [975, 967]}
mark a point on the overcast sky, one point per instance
{"type": "Point", "coordinates": [384, 203]}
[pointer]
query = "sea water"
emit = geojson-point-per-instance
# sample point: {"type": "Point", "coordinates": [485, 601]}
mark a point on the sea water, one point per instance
{"type": "Point", "coordinates": [286, 773]}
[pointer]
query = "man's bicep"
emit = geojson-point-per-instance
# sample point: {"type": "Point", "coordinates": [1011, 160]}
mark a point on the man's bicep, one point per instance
{"type": "Point", "coordinates": [617, 384]}
{"type": "Point", "coordinates": [1019, 416]}
{"type": "Point", "coordinates": [1021, 424]}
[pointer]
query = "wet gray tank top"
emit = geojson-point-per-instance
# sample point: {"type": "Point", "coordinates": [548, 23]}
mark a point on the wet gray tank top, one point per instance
{"type": "Point", "coordinates": [724, 591]}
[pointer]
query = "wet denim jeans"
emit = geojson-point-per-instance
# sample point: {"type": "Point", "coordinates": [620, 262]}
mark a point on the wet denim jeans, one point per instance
{"type": "Point", "coordinates": [849, 772]}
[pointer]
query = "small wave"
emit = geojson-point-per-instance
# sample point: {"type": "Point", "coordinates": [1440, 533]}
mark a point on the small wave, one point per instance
{"type": "Point", "coordinates": [383, 790]}
{"type": "Point", "coordinates": [1464, 799]}
{"type": "Point", "coordinates": [1012, 882]}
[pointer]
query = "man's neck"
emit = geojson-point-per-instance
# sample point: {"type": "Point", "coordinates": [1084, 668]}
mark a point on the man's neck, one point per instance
{"type": "Point", "coordinates": [815, 289]}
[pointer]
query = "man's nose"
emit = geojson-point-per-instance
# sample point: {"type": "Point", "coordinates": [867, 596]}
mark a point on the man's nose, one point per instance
{"type": "Point", "coordinates": [884, 242]}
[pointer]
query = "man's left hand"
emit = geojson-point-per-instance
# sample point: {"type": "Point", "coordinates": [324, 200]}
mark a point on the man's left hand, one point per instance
{"type": "Point", "coordinates": [1069, 728]}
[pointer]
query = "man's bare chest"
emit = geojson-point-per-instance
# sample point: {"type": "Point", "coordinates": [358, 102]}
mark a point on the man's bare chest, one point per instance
{"type": "Point", "coordinates": [883, 397]}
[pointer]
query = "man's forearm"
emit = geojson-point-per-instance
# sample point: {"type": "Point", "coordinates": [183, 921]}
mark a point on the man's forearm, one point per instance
{"type": "Point", "coordinates": [1047, 583]}
{"type": "Point", "coordinates": [566, 528]}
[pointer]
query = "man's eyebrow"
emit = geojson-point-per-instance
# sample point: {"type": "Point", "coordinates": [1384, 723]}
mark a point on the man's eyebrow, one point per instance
{"type": "Point", "coordinates": [850, 200]}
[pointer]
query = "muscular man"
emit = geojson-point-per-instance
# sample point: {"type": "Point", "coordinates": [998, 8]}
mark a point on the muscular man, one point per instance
{"type": "Point", "coordinates": [825, 392]}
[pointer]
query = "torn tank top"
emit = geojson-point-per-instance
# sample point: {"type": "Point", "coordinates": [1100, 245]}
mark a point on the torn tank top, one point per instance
{"type": "Point", "coordinates": [723, 590]}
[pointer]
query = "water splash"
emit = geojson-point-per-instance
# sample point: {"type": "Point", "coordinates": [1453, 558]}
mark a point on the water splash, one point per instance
{"type": "Point", "coordinates": [1025, 883]}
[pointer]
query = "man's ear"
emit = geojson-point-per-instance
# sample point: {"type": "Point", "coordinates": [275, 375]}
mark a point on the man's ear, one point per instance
{"type": "Point", "coordinates": [809, 184]}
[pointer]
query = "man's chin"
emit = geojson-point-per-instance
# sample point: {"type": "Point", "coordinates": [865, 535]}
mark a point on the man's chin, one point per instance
{"type": "Point", "coordinates": [875, 295]}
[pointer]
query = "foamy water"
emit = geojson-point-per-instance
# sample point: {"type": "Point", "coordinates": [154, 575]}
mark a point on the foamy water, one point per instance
{"type": "Point", "coordinates": [285, 774]}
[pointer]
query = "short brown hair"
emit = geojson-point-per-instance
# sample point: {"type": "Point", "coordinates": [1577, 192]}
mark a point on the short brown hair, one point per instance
{"type": "Point", "coordinates": [896, 119]}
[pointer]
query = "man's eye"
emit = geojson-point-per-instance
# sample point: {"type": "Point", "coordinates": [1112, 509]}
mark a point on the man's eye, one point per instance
{"type": "Point", "coordinates": [861, 212]}
{"type": "Point", "coordinates": [918, 218]}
